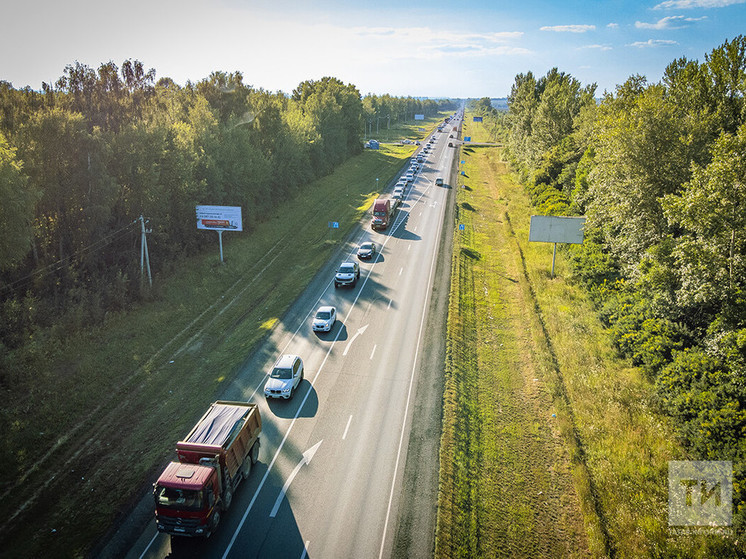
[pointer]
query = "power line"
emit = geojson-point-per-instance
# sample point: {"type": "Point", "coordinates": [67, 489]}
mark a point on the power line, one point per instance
{"type": "Point", "coordinates": [55, 266]}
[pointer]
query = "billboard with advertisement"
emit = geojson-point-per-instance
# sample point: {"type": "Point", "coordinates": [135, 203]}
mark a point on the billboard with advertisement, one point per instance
{"type": "Point", "coordinates": [219, 218]}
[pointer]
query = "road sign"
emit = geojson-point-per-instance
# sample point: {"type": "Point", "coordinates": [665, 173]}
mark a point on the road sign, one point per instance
{"type": "Point", "coordinates": [467, 138]}
{"type": "Point", "coordinates": [477, 119]}
{"type": "Point", "coordinates": [461, 227]}
{"type": "Point", "coordinates": [334, 225]}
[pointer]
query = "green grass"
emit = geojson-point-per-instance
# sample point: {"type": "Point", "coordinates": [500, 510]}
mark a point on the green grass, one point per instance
{"type": "Point", "coordinates": [100, 411]}
{"type": "Point", "coordinates": [506, 485]}
{"type": "Point", "coordinates": [398, 131]}
{"type": "Point", "coordinates": [522, 346]}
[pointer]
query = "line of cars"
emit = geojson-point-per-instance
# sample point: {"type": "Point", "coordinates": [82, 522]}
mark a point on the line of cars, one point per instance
{"type": "Point", "coordinates": [287, 372]}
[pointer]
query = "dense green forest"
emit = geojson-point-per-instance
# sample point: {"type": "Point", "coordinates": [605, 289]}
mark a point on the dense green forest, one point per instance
{"type": "Point", "coordinates": [82, 159]}
{"type": "Point", "coordinates": [659, 170]}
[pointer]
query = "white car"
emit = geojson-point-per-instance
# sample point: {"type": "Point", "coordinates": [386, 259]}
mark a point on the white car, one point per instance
{"type": "Point", "coordinates": [324, 319]}
{"type": "Point", "coordinates": [285, 377]}
{"type": "Point", "coordinates": [398, 193]}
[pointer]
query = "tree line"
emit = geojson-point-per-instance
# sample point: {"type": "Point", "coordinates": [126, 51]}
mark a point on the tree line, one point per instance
{"type": "Point", "coordinates": [83, 158]}
{"type": "Point", "coordinates": [659, 171]}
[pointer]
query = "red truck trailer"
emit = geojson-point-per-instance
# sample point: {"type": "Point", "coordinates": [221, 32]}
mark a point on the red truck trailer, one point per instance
{"type": "Point", "coordinates": [213, 459]}
{"type": "Point", "coordinates": [383, 212]}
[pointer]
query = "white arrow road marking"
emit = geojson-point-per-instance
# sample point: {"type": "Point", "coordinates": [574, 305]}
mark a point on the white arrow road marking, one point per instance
{"type": "Point", "coordinates": [358, 333]}
{"type": "Point", "coordinates": [307, 455]}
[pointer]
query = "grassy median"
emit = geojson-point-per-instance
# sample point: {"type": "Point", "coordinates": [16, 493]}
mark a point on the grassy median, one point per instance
{"type": "Point", "coordinates": [550, 444]}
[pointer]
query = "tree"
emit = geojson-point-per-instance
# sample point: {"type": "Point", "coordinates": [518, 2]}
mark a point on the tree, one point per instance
{"type": "Point", "coordinates": [711, 210]}
{"type": "Point", "coordinates": [17, 210]}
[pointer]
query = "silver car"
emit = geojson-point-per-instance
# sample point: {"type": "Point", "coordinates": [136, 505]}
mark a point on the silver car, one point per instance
{"type": "Point", "coordinates": [324, 319]}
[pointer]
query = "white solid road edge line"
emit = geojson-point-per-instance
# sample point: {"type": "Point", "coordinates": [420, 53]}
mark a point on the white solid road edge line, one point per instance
{"type": "Point", "coordinates": [406, 408]}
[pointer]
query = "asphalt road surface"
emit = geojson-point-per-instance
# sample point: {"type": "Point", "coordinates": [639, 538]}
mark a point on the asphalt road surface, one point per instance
{"type": "Point", "coordinates": [329, 481]}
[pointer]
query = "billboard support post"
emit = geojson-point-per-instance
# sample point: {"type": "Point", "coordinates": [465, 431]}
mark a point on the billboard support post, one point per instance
{"type": "Point", "coordinates": [220, 240]}
{"type": "Point", "coordinates": [554, 255]}
{"type": "Point", "coordinates": [219, 218]}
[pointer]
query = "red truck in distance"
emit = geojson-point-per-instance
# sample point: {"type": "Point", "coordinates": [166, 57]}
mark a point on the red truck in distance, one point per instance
{"type": "Point", "coordinates": [383, 213]}
{"type": "Point", "coordinates": [213, 459]}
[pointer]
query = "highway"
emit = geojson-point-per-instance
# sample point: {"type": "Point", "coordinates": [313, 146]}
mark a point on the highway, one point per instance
{"type": "Point", "coordinates": [329, 477]}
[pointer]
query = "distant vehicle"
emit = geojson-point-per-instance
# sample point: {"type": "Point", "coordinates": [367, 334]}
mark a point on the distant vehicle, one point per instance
{"type": "Point", "coordinates": [324, 319]}
{"type": "Point", "coordinates": [214, 458]}
{"type": "Point", "coordinates": [367, 251]}
{"type": "Point", "coordinates": [409, 176]}
{"type": "Point", "coordinates": [450, 144]}
{"type": "Point", "coordinates": [439, 181]}
{"type": "Point", "coordinates": [398, 193]}
{"type": "Point", "coordinates": [347, 274]}
{"type": "Point", "coordinates": [285, 377]}
{"type": "Point", "coordinates": [383, 211]}
{"type": "Point", "coordinates": [450, 135]}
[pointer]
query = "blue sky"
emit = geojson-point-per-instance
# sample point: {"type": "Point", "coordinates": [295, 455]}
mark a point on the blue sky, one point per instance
{"type": "Point", "coordinates": [423, 48]}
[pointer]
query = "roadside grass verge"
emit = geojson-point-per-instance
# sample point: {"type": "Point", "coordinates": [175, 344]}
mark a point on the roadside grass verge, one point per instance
{"type": "Point", "coordinates": [613, 446]}
{"type": "Point", "coordinates": [506, 485]}
{"type": "Point", "coordinates": [94, 415]}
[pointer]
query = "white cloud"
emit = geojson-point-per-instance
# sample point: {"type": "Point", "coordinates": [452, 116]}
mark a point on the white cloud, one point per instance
{"type": "Point", "coordinates": [652, 43]}
{"type": "Point", "coordinates": [613, 26]}
{"type": "Point", "coordinates": [689, 4]}
{"type": "Point", "coordinates": [670, 22]}
{"type": "Point", "coordinates": [569, 28]}
{"type": "Point", "coordinates": [597, 47]}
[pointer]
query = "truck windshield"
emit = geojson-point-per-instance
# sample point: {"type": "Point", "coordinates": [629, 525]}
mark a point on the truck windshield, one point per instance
{"type": "Point", "coordinates": [379, 214]}
{"type": "Point", "coordinates": [179, 499]}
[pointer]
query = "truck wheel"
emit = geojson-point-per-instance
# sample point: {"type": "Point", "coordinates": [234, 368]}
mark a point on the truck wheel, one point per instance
{"type": "Point", "coordinates": [254, 452]}
{"type": "Point", "coordinates": [227, 499]}
{"type": "Point", "coordinates": [246, 468]}
{"type": "Point", "coordinates": [214, 521]}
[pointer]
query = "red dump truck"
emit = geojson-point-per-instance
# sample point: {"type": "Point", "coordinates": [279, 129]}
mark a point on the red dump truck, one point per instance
{"type": "Point", "coordinates": [383, 212]}
{"type": "Point", "coordinates": [213, 459]}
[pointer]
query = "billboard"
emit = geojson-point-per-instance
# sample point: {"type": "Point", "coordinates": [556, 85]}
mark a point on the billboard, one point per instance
{"type": "Point", "coordinates": [419, 117]}
{"type": "Point", "coordinates": [219, 218]}
{"type": "Point", "coordinates": [556, 229]}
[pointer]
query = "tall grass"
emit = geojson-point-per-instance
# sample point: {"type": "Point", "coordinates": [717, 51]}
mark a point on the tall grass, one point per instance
{"type": "Point", "coordinates": [618, 446]}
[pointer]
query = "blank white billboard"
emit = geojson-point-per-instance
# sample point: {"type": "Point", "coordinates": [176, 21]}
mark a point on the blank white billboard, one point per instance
{"type": "Point", "coordinates": [556, 229]}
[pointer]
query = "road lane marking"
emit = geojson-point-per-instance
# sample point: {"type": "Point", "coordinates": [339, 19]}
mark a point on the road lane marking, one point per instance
{"type": "Point", "coordinates": [406, 408]}
{"type": "Point", "coordinates": [401, 270]}
{"type": "Point", "coordinates": [359, 332]}
{"type": "Point", "coordinates": [305, 550]}
{"type": "Point", "coordinates": [306, 459]}
{"type": "Point", "coordinates": [372, 353]}
{"type": "Point", "coordinates": [344, 435]}
{"type": "Point", "coordinates": [297, 413]}
{"type": "Point", "coordinates": [389, 305]}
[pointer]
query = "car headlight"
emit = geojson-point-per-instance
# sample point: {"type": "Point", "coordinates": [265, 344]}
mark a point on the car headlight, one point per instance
{"type": "Point", "coordinates": [286, 389]}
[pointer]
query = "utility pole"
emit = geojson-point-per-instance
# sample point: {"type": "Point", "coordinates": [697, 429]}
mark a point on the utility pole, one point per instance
{"type": "Point", "coordinates": [144, 256]}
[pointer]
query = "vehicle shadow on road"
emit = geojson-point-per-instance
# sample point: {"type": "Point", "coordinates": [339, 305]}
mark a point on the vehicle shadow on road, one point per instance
{"type": "Point", "coordinates": [287, 409]}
